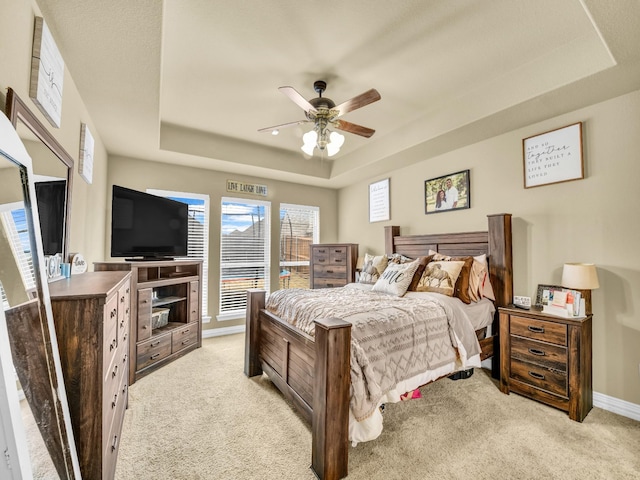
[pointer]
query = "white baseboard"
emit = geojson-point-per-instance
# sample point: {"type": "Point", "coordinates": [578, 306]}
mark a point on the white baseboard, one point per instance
{"type": "Point", "coordinates": [615, 405]}
{"type": "Point", "coordinates": [600, 400]}
{"type": "Point", "coordinates": [219, 332]}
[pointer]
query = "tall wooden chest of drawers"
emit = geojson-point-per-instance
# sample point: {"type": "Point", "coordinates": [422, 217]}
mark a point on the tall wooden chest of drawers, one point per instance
{"type": "Point", "coordinates": [91, 315]}
{"type": "Point", "coordinates": [547, 358]}
{"type": "Point", "coordinates": [333, 264]}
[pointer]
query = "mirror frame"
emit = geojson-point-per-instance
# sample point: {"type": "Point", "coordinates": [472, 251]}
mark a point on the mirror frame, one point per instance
{"type": "Point", "coordinates": [16, 110]}
{"type": "Point", "coordinates": [31, 331]}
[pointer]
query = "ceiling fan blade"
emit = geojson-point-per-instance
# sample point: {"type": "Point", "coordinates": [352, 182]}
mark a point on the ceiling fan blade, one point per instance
{"type": "Point", "coordinates": [284, 125]}
{"type": "Point", "coordinates": [353, 128]}
{"type": "Point", "coordinates": [298, 99]}
{"type": "Point", "coordinates": [359, 101]}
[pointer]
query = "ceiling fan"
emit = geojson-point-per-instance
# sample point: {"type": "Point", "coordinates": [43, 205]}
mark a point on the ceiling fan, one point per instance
{"type": "Point", "coordinates": [325, 114]}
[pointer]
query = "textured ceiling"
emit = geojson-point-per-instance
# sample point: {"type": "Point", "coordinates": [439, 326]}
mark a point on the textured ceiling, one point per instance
{"type": "Point", "coordinates": [192, 81]}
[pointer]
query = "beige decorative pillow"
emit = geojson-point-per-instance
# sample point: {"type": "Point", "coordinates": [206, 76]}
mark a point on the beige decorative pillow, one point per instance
{"type": "Point", "coordinates": [479, 283]}
{"type": "Point", "coordinates": [461, 289]}
{"type": "Point", "coordinates": [440, 277]}
{"type": "Point", "coordinates": [372, 267]}
{"type": "Point", "coordinates": [396, 278]}
{"type": "Point", "coordinates": [399, 258]}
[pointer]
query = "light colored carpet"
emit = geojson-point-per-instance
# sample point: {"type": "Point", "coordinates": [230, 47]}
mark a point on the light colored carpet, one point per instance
{"type": "Point", "coordinates": [201, 418]}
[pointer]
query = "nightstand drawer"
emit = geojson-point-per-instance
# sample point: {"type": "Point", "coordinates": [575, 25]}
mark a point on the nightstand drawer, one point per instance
{"type": "Point", "coordinates": [538, 376]}
{"type": "Point", "coordinates": [543, 354]}
{"type": "Point", "coordinates": [539, 329]}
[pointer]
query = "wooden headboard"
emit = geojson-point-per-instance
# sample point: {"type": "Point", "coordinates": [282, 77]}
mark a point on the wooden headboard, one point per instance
{"type": "Point", "coordinates": [495, 243]}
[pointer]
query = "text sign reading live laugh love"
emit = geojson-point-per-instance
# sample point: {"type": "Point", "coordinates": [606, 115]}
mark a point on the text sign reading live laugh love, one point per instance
{"type": "Point", "coordinates": [553, 157]}
{"type": "Point", "coordinates": [252, 188]}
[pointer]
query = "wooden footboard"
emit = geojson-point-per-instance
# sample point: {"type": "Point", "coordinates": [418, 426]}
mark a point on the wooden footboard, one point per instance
{"type": "Point", "coordinates": [314, 374]}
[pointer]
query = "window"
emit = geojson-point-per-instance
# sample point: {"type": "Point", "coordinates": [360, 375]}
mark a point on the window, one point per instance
{"type": "Point", "coordinates": [14, 223]}
{"type": "Point", "coordinates": [198, 242]}
{"type": "Point", "coordinates": [244, 253]}
{"type": "Point", "coordinates": [299, 228]}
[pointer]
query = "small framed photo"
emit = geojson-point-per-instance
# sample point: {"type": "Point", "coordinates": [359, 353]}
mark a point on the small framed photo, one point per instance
{"type": "Point", "coordinates": [449, 192]}
{"type": "Point", "coordinates": [553, 157]}
{"type": "Point", "coordinates": [544, 295]}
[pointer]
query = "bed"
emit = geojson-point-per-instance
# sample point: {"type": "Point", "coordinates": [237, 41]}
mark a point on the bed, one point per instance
{"type": "Point", "coordinates": [314, 372]}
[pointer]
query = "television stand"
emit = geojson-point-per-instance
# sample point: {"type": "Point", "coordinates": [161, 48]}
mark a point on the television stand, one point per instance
{"type": "Point", "coordinates": [173, 285]}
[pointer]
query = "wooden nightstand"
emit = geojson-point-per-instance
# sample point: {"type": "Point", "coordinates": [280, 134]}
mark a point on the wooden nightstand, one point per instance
{"type": "Point", "coordinates": [333, 264]}
{"type": "Point", "coordinates": [547, 358]}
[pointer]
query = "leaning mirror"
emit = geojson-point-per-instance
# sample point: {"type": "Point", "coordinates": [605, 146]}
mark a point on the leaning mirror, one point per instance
{"type": "Point", "coordinates": [53, 175]}
{"type": "Point", "coordinates": [27, 328]}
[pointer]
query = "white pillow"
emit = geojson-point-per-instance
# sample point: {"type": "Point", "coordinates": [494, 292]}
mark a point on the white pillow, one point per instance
{"type": "Point", "coordinates": [372, 267]}
{"type": "Point", "coordinates": [396, 278]}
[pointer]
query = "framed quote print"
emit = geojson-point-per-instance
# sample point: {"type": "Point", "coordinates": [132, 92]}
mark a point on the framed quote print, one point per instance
{"type": "Point", "coordinates": [553, 157]}
{"type": "Point", "coordinates": [379, 201]}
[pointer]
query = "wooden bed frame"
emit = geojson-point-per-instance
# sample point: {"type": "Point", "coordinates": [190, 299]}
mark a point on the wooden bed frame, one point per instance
{"type": "Point", "coordinates": [314, 372]}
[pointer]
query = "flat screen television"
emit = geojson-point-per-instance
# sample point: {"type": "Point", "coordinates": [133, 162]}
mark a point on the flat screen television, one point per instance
{"type": "Point", "coordinates": [147, 227]}
{"type": "Point", "coordinates": [50, 196]}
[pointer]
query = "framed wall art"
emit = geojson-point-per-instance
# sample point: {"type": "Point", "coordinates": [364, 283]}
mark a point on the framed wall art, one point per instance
{"type": "Point", "coordinates": [87, 144]}
{"type": "Point", "coordinates": [379, 201]}
{"type": "Point", "coordinates": [449, 192]}
{"type": "Point", "coordinates": [553, 157]}
{"type": "Point", "coordinates": [47, 73]}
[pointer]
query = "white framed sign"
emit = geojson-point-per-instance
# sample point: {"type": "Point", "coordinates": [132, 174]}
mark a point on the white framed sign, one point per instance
{"type": "Point", "coordinates": [47, 73]}
{"type": "Point", "coordinates": [85, 165]}
{"type": "Point", "coordinates": [379, 201]}
{"type": "Point", "coordinates": [553, 157]}
{"type": "Point", "coordinates": [241, 187]}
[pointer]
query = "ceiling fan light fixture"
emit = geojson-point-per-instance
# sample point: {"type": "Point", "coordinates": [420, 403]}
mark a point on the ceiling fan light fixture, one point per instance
{"type": "Point", "coordinates": [337, 140]}
{"type": "Point", "coordinates": [275, 131]}
{"type": "Point", "coordinates": [310, 138]}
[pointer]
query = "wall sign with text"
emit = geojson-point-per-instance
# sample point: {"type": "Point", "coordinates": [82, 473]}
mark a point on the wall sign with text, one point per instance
{"type": "Point", "coordinates": [553, 157]}
{"type": "Point", "coordinates": [251, 188]}
{"type": "Point", "coordinates": [379, 201]}
{"type": "Point", "coordinates": [47, 73]}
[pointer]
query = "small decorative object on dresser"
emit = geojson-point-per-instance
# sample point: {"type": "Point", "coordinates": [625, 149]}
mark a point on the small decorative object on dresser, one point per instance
{"type": "Point", "coordinates": [547, 358]}
{"type": "Point", "coordinates": [333, 264]}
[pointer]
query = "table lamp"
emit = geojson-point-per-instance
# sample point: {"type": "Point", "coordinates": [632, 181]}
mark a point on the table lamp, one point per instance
{"type": "Point", "coordinates": [583, 277]}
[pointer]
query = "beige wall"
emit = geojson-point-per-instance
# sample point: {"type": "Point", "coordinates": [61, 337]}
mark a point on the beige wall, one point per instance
{"type": "Point", "coordinates": [591, 220]}
{"type": "Point", "coordinates": [140, 175]}
{"type": "Point", "coordinates": [88, 202]}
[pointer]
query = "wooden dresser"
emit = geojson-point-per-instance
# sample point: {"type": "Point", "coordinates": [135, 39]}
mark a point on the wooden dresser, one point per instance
{"type": "Point", "coordinates": [170, 285]}
{"type": "Point", "coordinates": [547, 358]}
{"type": "Point", "coordinates": [333, 264]}
{"type": "Point", "coordinates": [91, 316]}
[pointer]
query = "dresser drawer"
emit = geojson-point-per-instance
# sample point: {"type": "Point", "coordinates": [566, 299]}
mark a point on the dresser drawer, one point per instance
{"type": "Point", "coordinates": [540, 377]}
{"type": "Point", "coordinates": [153, 350]}
{"type": "Point", "coordinates": [144, 314]}
{"type": "Point", "coordinates": [539, 330]}
{"type": "Point", "coordinates": [338, 256]}
{"type": "Point", "coordinates": [110, 347]}
{"type": "Point", "coordinates": [184, 337]}
{"type": "Point", "coordinates": [544, 354]}
{"type": "Point", "coordinates": [328, 282]}
{"type": "Point", "coordinates": [111, 436]}
{"type": "Point", "coordinates": [330, 271]}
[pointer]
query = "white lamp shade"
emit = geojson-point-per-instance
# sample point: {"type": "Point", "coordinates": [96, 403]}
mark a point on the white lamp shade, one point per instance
{"type": "Point", "coordinates": [336, 142]}
{"type": "Point", "coordinates": [581, 276]}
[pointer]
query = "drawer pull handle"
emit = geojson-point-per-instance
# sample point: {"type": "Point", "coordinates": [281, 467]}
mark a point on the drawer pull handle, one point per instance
{"type": "Point", "coordinates": [329, 271]}
{"type": "Point", "coordinates": [121, 299]}
{"type": "Point", "coordinates": [537, 376]}
{"type": "Point", "coordinates": [154, 356]}
{"type": "Point", "coordinates": [114, 445]}
{"type": "Point", "coordinates": [113, 345]}
{"type": "Point", "coordinates": [329, 284]}
{"type": "Point", "coordinates": [186, 331]}
{"type": "Point", "coordinates": [536, 329]}
{"type": "Point", "coordinates": [144, 327]}
{"type": "Point", "coordinates": [155, 344]}
{"type": "Point", "coordinates": [185, 342]}
{"type": "Point", "coordinates": [115, 371]}
{"type": "Point", "coordinates": [535, 351]}
{"type": "Point", "coordinates": [114, 312]}
{"type": "Point", "coordinates": [115, 400]}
